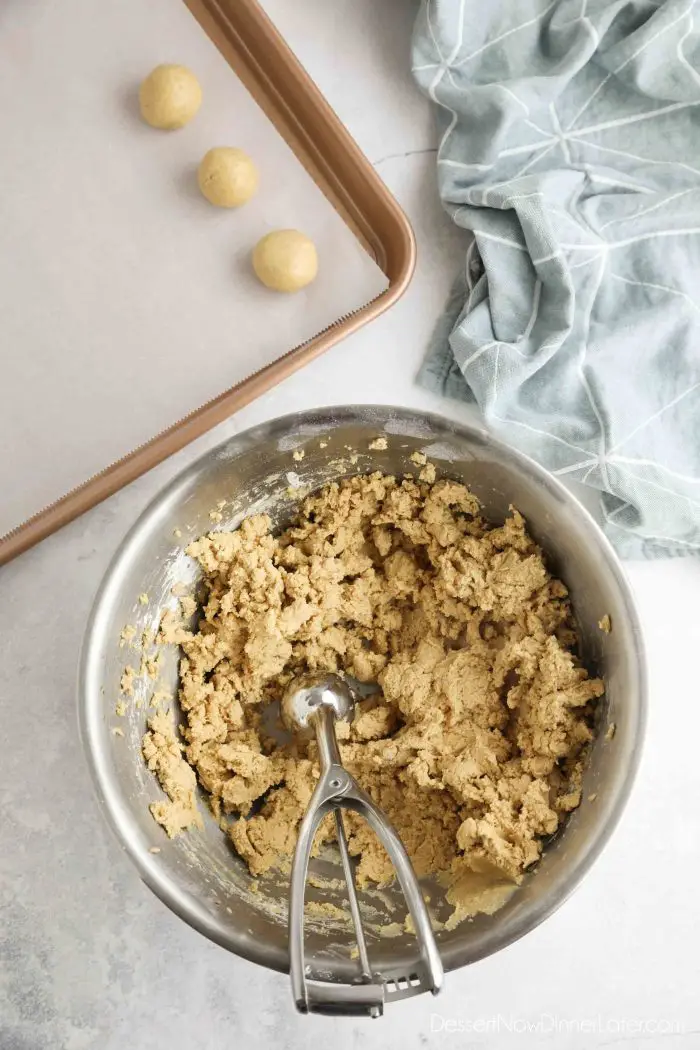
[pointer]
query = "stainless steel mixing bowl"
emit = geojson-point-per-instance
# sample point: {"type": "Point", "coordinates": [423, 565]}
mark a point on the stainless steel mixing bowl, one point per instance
{"type": "Point", "coordinates": [197, 875]}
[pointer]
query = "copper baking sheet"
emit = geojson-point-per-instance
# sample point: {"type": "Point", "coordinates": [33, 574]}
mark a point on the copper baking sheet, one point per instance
{"type": "Point", "coordinates": [302, 120]}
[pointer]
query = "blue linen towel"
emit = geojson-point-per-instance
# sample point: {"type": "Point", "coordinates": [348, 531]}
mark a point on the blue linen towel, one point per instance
{"type": "Point", "coordinates": [570, 147]}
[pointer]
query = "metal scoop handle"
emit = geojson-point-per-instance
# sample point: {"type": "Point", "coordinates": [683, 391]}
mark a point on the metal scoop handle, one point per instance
{"type": "Point", "coordinates": [335, 791]}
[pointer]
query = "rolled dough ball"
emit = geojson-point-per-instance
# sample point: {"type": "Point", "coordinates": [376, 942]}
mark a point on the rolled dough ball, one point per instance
{"type": "Point", "coordinates": [285, 260]}
{"type": "Point", "coordinates": [227, 177]}
{"type": "Point", "coordinates": [170, 97]}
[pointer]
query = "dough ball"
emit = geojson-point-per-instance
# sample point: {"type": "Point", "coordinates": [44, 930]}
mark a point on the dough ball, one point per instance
{"type": "Point", "coordinates": [285, 260]}
{"type": "Point", "coordinates": [170, 97]}
{"type": "Point", "coordinates": [227, 177]}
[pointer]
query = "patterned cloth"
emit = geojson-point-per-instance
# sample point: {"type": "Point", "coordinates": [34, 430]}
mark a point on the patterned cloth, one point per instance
{"type": "Point", "coordinates": [570, 147]}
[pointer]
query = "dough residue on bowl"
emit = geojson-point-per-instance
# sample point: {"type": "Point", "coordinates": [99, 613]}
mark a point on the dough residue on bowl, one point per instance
{"type": "Point", "coordinates": [475, 741]}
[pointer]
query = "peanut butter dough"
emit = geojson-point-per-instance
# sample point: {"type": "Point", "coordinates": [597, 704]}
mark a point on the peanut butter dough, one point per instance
{"type": "Point", "coordinates": [170, 97]}
{"type": "Point", "coordinates": [227, 177]}
{"type": "Point", "coordinates": [475, 740]}
{"type": "Point", "coordinates": [285, 260]}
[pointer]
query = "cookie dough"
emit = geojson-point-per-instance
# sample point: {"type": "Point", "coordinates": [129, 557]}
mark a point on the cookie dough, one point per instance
{"type": "Point", "coordinates": [163, 754]}
{"type": "Point", "coordinates": [285, 260]}
{"type": "Point", "coordinates": [475, 740]}
{"type": "Point", "coordinates": [170, 97]}
{"type": "Point", "coordinates": [227, 177]}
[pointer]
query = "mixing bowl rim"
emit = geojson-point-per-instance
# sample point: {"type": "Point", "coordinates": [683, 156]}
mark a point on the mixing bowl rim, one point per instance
{"type": "Point", "coordinates": [90, 701]}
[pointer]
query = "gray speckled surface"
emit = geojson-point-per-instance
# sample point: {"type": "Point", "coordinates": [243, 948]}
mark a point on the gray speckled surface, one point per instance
{"type": "Point", "coordinates": [90, 959]}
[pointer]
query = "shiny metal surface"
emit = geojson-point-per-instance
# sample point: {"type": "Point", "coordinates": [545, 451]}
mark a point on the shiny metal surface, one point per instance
{"type": "Point", "coordinates": [197, 875]}
{"type": "Point", "coordinates": [319, 700]}
{"type": "Point", "coordinates": [306, 693]}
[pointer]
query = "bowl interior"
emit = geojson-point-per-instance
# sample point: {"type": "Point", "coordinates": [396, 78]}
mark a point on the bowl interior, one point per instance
{"type": "Point", "coordinates": [197, 874]}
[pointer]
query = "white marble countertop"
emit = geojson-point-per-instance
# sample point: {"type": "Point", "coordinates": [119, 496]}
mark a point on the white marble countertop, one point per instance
{"type": "Point", "coordinates": [89, 958]}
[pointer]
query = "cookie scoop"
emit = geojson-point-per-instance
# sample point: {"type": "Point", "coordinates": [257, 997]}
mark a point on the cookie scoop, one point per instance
{"type": "Point", "coordinates": [315, 702]}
